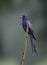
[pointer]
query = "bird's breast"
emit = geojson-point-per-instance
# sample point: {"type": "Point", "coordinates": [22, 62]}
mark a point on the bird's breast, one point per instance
{"type": "Point", "coordinates": [24, 26]}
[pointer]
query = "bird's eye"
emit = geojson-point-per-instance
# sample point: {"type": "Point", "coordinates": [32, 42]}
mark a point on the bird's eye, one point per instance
{"type": "Point", "coordinates": [23, 17]}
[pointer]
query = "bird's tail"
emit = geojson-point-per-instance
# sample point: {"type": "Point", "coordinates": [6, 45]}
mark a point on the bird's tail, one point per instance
{"type": "Point", "coordinates": [33, 45]}
{"type": "Point", "coordinates": [33, 35]}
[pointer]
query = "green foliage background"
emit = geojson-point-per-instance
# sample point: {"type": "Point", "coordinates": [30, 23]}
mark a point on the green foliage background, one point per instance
{"type": "Point", "coordinates": [12, 35]}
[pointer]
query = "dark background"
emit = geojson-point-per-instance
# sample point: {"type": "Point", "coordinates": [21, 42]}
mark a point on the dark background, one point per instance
{"type": "Point", "coordinates": [12, 35]}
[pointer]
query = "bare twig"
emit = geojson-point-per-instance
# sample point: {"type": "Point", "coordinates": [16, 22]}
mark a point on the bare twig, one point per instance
{"type": "Point", "coordinates": [25, 45]}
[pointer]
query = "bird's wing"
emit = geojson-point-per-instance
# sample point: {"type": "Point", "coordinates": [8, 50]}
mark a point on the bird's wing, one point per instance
{"type": "Point", "coordinates": [31, 28]}
{"type": "Point", "coordinates": [30, 25]}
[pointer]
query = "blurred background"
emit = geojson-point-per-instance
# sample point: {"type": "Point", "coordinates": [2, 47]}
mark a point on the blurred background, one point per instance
{"type": "Point", "coordinates": [12, 35]}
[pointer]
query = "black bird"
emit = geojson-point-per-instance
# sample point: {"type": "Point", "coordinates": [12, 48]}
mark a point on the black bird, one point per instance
{"type": "Point", "coordinates": [25, 21]}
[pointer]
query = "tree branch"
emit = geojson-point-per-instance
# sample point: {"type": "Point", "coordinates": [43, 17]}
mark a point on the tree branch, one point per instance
{"type": "Point", "coordinates": [25, 45]}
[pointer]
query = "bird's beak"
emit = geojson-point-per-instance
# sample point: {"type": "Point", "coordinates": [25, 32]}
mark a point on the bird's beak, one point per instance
{"type": "Point", "coordinates": [20, 16]}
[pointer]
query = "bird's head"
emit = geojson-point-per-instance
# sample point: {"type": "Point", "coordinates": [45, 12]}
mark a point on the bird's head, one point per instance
{"type": "Point", "coordinates": [23, 17]}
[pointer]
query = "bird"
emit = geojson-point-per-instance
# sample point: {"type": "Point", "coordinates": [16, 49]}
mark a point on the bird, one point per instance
{"type": "Point", "coordinates": [25, 21]}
